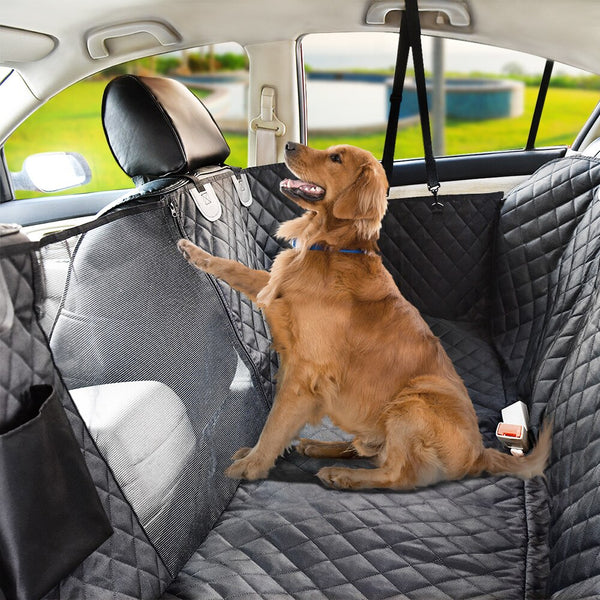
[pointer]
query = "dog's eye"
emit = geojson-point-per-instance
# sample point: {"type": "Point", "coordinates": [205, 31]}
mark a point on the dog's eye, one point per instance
{"type": "Point", "coordinates": [335, 158]}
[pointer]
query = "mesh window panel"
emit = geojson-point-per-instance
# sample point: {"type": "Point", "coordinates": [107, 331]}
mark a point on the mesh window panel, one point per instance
{"type": "Point", "coordinates": [146, 346]}
{"type": "Point", "coordinates": [52, 271]}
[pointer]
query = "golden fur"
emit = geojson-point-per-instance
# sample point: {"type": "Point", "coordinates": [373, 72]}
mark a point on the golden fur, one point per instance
{"type": "Point", "coordinates": [351, 347]}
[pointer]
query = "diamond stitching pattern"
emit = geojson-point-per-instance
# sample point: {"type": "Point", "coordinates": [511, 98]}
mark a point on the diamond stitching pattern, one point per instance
{"type": "Point", "coordinates": [265, 546]}
{"type": "Point", "coordinates": [299, 544]}
{"type": "Point", "coordinates": [289, 541]}
{"type": "Point", "coordinates": [547, 331]}
{"type": "Point", "coordinates": [294, 541]}
{"type": "Point", "coordinates": [435, 258]}
{"type": "Point", "coordinates": [126, 565]}
{"type": "Point", "coordinates": [536, 223]}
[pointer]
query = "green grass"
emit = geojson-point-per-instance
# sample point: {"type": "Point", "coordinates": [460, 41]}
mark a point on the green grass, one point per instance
{"type": "Point", "coordinates": [564, 114]}
{"type": "Point", "coordinates": [71, 122]}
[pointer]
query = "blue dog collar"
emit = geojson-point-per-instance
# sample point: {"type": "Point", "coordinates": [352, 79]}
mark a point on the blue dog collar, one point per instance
{"type": "Point", "coordinates": [295, 245]}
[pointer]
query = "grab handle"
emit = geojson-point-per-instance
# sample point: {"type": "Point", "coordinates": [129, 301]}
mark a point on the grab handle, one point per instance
{"type": "Point", "coordinates": [458, 15]}
{"type": "Point", "coordinates": [97, 38]}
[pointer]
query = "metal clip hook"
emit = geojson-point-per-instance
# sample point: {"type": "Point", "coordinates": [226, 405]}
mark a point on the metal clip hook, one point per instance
{"type": "Point", "coordinates": [437, 206]}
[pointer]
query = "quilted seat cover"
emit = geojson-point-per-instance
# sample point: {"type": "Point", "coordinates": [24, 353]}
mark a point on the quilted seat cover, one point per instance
{"type": "Point", "coordinates": [126, 566]}
{"type": "Point", "coordinates": [547, 330]}
{"type": "Point", "coordinates": [288, 537]}
{"type": "Point", "coordinates": [519, 320]}
{"type": "Point", "coordinates": [487, 538]}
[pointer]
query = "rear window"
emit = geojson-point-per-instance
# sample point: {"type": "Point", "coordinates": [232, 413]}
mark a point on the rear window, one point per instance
{"type": "Point", "coordinates": [489, 95]}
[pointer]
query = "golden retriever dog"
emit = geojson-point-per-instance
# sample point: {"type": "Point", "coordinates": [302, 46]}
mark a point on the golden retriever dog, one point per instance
{"type": "Point", "coordinates": [351, 347]}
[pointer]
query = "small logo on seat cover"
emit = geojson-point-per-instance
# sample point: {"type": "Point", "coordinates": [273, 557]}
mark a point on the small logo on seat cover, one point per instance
{"type": "Point", "coordinates": [242, 187]}
{"type": "Point", "coordinates": [207, 202]}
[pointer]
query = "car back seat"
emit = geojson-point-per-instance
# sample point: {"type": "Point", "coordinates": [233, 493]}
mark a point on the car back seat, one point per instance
{"type": "Point", "coordinates": [288, 536]}
{"type": "Point", "coordinates": [511, 289]}
{"type": "Point", "coordinates": [546, 330]}
{"type": "Point", "coordinates": [532, 335]}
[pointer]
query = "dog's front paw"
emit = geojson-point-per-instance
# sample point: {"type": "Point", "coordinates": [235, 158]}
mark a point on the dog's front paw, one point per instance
{"type": "Point", "coordinates": [247, 465]}
{"type": "Point", "coordinates": [339, 478]}
{"type": "Point", "coordinates": [241, 453]}
{"type": "Point", "coordinates": [194, 255]}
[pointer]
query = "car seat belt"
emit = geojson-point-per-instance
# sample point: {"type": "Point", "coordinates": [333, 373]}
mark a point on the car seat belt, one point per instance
{"type": "Point", "coordinates": [410, 38]}
{"type": "Point", "coordinates": [513, 431]}
{"type": "Point", "coordinates": [267, 128]}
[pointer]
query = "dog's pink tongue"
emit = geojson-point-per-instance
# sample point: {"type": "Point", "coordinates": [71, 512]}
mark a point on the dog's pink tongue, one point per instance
{"type": "Point", "coordinates": [306, 188]}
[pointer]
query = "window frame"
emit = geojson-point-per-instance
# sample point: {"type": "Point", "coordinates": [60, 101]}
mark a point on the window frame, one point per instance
{"type": "Point", "coordinates": [458, 167]}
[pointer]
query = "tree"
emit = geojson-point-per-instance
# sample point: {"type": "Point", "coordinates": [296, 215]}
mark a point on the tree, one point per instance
{"type": "Point", "coordinates": [513, 69]}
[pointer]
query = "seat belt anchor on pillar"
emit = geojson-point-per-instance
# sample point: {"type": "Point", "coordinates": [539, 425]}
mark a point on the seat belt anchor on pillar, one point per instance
{"type": "Point", "coordinates": [267, 128]}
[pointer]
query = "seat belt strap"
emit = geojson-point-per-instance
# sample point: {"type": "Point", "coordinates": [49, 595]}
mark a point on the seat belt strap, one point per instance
{"type": "Point", "coordinates": [414, 30]}
{"type": "Point", "coordinates": [267, 128]}
{"type": "Point", "coordinates": [539, 105]}
{"type": "Point", "coordinates": [266, 147]}
{"type": "Point", "coordinates": [410, 29]}
{"type": "Point", "coordinates": [391, 133]}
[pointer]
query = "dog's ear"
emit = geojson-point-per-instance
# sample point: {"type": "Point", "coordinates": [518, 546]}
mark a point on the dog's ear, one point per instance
{"type": "Point", "coordinates": [365, 198]}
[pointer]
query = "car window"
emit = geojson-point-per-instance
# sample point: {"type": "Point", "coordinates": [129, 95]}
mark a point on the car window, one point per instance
{"type": "Point", "coordinates": [71, 121]}
{"type": "Point", "coordinates": [490, 94]}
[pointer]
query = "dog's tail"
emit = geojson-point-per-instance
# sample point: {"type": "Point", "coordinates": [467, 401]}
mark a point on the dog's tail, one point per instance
{"type": "Point", "coordinates": [495, 462]}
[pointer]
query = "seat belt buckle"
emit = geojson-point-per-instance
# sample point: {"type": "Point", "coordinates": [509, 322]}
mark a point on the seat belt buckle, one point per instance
{"type": "Point", "coordinates": [513, 431]}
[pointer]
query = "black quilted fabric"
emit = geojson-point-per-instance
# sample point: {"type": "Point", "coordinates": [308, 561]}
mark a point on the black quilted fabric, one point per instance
{"type": "Point", "coordinates": [126, 566]}
{"type": "Point", "coordinates": [290, 538]}
{"type": "Point", "coordinates": [514, 299]}
{"type": "Point", "coordinates": [574, 473]}
{"type": "Point", "coordinates": [470, 347]}
{"type": "Point", "coordinates": [551, 267]}
{"type": "Point", "coordinates": [538, 220]}
{"type": "Point", "coordinates": [26, 360]}
{"type": "Point", "coordinates": [442, 261]}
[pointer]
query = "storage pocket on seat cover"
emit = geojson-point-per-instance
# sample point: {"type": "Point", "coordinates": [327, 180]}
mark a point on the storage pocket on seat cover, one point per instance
{"type": "Point", "coordinates": [50, 515]}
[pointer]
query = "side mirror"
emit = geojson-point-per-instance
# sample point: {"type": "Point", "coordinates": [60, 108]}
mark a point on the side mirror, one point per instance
{"type": "Point", "coordinates": [52, 172]}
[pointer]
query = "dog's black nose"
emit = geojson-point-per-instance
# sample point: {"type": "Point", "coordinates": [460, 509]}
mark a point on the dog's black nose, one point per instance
{"type": "Point", "coordinates": [291, 146]}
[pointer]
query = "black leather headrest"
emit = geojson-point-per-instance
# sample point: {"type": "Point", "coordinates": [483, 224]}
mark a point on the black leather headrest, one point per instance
{"type": "Point", "coordinates": [155, 127]}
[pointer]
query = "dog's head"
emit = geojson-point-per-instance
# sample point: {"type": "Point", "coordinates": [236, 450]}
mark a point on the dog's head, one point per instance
{"type": "Point", "coordinates": [343, 182]}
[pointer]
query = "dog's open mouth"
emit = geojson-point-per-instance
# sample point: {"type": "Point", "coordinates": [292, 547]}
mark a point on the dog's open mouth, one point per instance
{"type": "Point", "coordinates": [302, 189]}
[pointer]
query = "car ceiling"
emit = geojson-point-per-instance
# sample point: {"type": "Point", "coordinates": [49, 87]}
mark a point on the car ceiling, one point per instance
{"type": "Point", "coordinates": [47, 43]}
{"type": "Point", "coordinates": [564, 31]}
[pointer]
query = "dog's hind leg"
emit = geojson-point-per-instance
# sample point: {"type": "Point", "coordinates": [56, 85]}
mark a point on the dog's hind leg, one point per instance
{"type": "Point", "coordinates": [407, 460]}
{"type": "Point", "coordinates": [354, 449]}
{"type": "Point", "coordinates": [318, 449]}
